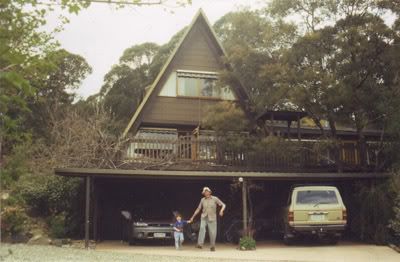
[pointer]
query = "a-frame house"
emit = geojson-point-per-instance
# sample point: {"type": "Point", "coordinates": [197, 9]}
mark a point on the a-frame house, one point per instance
{"type": "Point", "coordinates": [187, 85]}
{"type": "Point", "coordinates": [165, 130]}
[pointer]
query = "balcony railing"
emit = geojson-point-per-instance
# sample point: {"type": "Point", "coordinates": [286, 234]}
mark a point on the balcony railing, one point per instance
{"type": "Point", "coordinates": [249, 154]}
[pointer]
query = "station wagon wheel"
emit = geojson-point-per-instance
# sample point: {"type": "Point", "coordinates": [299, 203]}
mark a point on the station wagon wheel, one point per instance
{"type": "Point", "coordinates": [288, 240]}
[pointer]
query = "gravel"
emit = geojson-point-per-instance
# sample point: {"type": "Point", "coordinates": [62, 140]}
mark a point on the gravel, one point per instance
{"type": "Point", "coordinates": [21, 252]}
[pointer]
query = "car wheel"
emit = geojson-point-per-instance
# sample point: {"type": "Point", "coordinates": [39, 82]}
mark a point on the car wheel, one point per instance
{"type": "Point", "coordinates": [288, 240]}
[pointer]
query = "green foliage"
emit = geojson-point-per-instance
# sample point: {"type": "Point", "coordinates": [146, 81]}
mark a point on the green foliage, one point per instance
{"type": "Point", "coordinates": [57, 226]}
{"type": "Point", "coordinates": [247, 243]}
{"type": "Point", "coordinates": [13, 220]}
{"type": "Point", "coordinates": [23, 46]}
{"type": "Point", "coordinates": [125, 84]}
{"type": "Point", "coordinates": [372, 212]}
{"type": "Point", "coordinates": [48, 195]}
{"type": "Point", "coordinates": [64, 73]}
{"type": "Point", "coordinates": [394, 224]}
{"type": "Point", "coordinates": [225, 117]}
{"type": "Point", "coordinates": [15, 165]}
{"type": "Point", "coordinates": [254, 44]}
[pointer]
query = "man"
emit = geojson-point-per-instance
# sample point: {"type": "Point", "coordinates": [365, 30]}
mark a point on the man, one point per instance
{"type": "Point", "coordinates": [208, 206]}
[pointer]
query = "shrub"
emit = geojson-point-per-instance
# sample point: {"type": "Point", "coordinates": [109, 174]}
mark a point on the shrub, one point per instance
{"type": "Point", "coordinates": [57, 226]}
{"type": "Point", "coordinates": [15, 165]}
{"type": "Point", "coordinates": [13, 221]}
{"type": "Point", "coordinates": [247, 243]}
{"type": "Point", "coordinates": [48, 194]}
{"type": "Point", "coordinates": [374, 211]}
{"type": "Point", "coordinates": [394, 224]}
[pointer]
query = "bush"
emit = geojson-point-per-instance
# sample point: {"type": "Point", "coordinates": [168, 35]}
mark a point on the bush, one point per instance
{"type": "Point", "coordinates": [55, 198]}
{"type": "Point", "coordinates": [394, 224]}
{"type": "Point", "coordinates": [13, 221]}
{"type": "Point", "coordinates": [247, 243]}
{"type": "Point", "coordinates": [374, 210]}
{"type": "Point", "coordinates": [15, 165]}
{"type": "Point", "coordinates": [48, 194]}
{"type": "Point", "coordinates": [57, 226]}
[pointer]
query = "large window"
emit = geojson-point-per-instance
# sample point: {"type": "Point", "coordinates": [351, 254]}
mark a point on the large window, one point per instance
{"type": "Point", "coordinates": [201, 84]}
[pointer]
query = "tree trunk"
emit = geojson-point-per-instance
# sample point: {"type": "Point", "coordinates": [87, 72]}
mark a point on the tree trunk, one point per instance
{"type": "Point", "coordinates": [337, 145]}
{"type": "Point", "coordinates": [362, 148]}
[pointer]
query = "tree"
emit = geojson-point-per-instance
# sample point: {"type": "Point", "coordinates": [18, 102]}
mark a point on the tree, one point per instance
{"type": "Point", "coordinates": [54, 93]}
{"type": "Point", "coordinates": [125, 84]}
{"type": "Point", "coordinates": [254, 44]}
{"type": "Point", "coordinates": [23, 46]}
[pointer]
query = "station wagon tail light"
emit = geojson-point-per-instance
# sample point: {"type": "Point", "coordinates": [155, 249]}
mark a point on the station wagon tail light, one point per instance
{"type": "Point", "coordinates": [344, 214]}
{"type": "Point", "coordinates": [290, 216]}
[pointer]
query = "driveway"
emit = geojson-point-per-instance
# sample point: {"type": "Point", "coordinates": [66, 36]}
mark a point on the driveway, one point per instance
{"type": "Point", "coordinates": [266, 251]}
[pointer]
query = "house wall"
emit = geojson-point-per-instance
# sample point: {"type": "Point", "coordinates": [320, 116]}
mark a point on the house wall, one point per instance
{"type": "Point", "coordinates": [177, 111]}
{"type": "Point", "coordinates": [198, 53]}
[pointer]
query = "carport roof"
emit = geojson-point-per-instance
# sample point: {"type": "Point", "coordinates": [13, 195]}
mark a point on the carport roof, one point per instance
{"type": "Point", "coordinates": [169, 174]}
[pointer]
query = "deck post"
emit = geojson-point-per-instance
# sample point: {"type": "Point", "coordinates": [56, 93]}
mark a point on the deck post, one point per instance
{"type": "Point", "coordinates": [87, 212]}
{"type": "Point", "coordinates": [95, 211]}
{"type": "Point", "coordinates": [244, 205]}
{"type": "Point", "coordinates": [298, 128]}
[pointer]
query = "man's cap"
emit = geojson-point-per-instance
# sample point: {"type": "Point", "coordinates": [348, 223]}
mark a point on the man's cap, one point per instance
{"type": "Point", "coordinates": [206, 189]}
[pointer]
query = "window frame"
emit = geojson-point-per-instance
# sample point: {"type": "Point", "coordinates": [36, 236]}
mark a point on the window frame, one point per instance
{"type": "Point", "coordinates": [198, 76]}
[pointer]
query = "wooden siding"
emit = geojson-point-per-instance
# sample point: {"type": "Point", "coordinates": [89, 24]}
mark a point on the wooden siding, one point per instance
{"type": "Point", "coordinates": [177, 110]}
{"type": "Point", "coordinates": [196, 53]}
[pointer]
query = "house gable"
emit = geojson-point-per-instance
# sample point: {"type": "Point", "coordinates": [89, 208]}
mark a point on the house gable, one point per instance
{"type": "Point", "coordinates": [199, 52]}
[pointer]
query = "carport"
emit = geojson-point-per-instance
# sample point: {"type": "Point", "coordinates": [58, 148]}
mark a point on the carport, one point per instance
{"type": "Point", "coordinates": [92, 176]}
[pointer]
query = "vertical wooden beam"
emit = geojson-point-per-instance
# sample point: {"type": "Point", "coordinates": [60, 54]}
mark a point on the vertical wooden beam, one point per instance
{"type": "Point", "coordinates": [298, 128]}
{"type": "Point", "coordinates": [87, 212]}
{"type": "Point", "coordinates": [272, 123]}
{"type": "Point", "coordinates": [244, 205]}
{"type": "Point", "coordinates": [95, 210]}
{"type": "Point", "coordinates": [289, 123]}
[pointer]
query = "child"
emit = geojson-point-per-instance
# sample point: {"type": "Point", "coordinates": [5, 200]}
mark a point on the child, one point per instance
{"type": "Point", "coordinates": [178, 230]}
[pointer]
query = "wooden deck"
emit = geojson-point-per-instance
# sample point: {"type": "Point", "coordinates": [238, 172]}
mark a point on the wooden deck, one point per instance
{"type": "Point", "coordinates": [210, 154]}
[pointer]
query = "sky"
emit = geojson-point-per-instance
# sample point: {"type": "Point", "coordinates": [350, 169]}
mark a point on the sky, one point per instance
{"type": "Point", "coordinates": [102, 32]}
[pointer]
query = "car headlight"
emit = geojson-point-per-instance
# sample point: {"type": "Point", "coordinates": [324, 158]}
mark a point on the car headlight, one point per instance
{"type": "Point", "coordinates": [140, 224]}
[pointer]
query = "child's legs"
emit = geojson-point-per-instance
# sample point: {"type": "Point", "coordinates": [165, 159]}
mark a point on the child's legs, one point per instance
{"type": "Point", "coordinates": [176, 236]}
{"type": "Point", "coordinates": [182, 238]}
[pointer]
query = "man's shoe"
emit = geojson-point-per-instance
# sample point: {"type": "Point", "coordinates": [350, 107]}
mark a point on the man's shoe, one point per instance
{"type": "Point", "coordinates": [199, 247]}
{"type": "Point", "coordinates": [212, 249]}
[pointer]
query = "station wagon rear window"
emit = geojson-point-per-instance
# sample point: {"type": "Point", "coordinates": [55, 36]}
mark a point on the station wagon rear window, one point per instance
{"type": "Point", "coordinates": [316, 197]}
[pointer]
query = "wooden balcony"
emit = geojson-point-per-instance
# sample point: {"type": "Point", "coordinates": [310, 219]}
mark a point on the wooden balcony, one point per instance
{"type": "Point", "coordinates": [249, 154]}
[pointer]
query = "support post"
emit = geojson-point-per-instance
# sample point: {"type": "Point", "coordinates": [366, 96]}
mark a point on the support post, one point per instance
{"type": "Point", "coordinates": [95, 211]}
{"type": "Point", "coordinates": [298, 128]}
{"type": "Point", "coordinates": [244, 205]}
{"type": "Point", "coordinates": [289, 123]}
{"type": "Point", "coordinates": [87, 212]}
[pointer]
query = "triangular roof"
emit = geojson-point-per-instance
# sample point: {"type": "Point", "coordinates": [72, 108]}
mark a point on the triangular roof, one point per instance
{"type": "Point", "coordinates": [239, 90]}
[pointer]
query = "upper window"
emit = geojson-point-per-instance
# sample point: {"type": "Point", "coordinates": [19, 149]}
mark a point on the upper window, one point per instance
{"type": "Point", "coordinates": [201, 84]}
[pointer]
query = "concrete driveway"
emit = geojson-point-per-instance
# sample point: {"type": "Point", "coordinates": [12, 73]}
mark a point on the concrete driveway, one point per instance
{"type": "Point", "coordinates": [266, 251]}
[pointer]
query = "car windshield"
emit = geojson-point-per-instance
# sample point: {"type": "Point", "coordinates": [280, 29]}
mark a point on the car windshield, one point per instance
{"type": "Point", "coordinates": [316, 197]}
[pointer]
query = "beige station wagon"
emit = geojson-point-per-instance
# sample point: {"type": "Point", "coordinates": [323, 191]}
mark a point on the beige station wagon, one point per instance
{"type": "Point", "coordinates": [314, 210]}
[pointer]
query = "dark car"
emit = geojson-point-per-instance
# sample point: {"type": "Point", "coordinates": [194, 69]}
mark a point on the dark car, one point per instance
{"type": "Point", "coordinates": [146, 223]}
